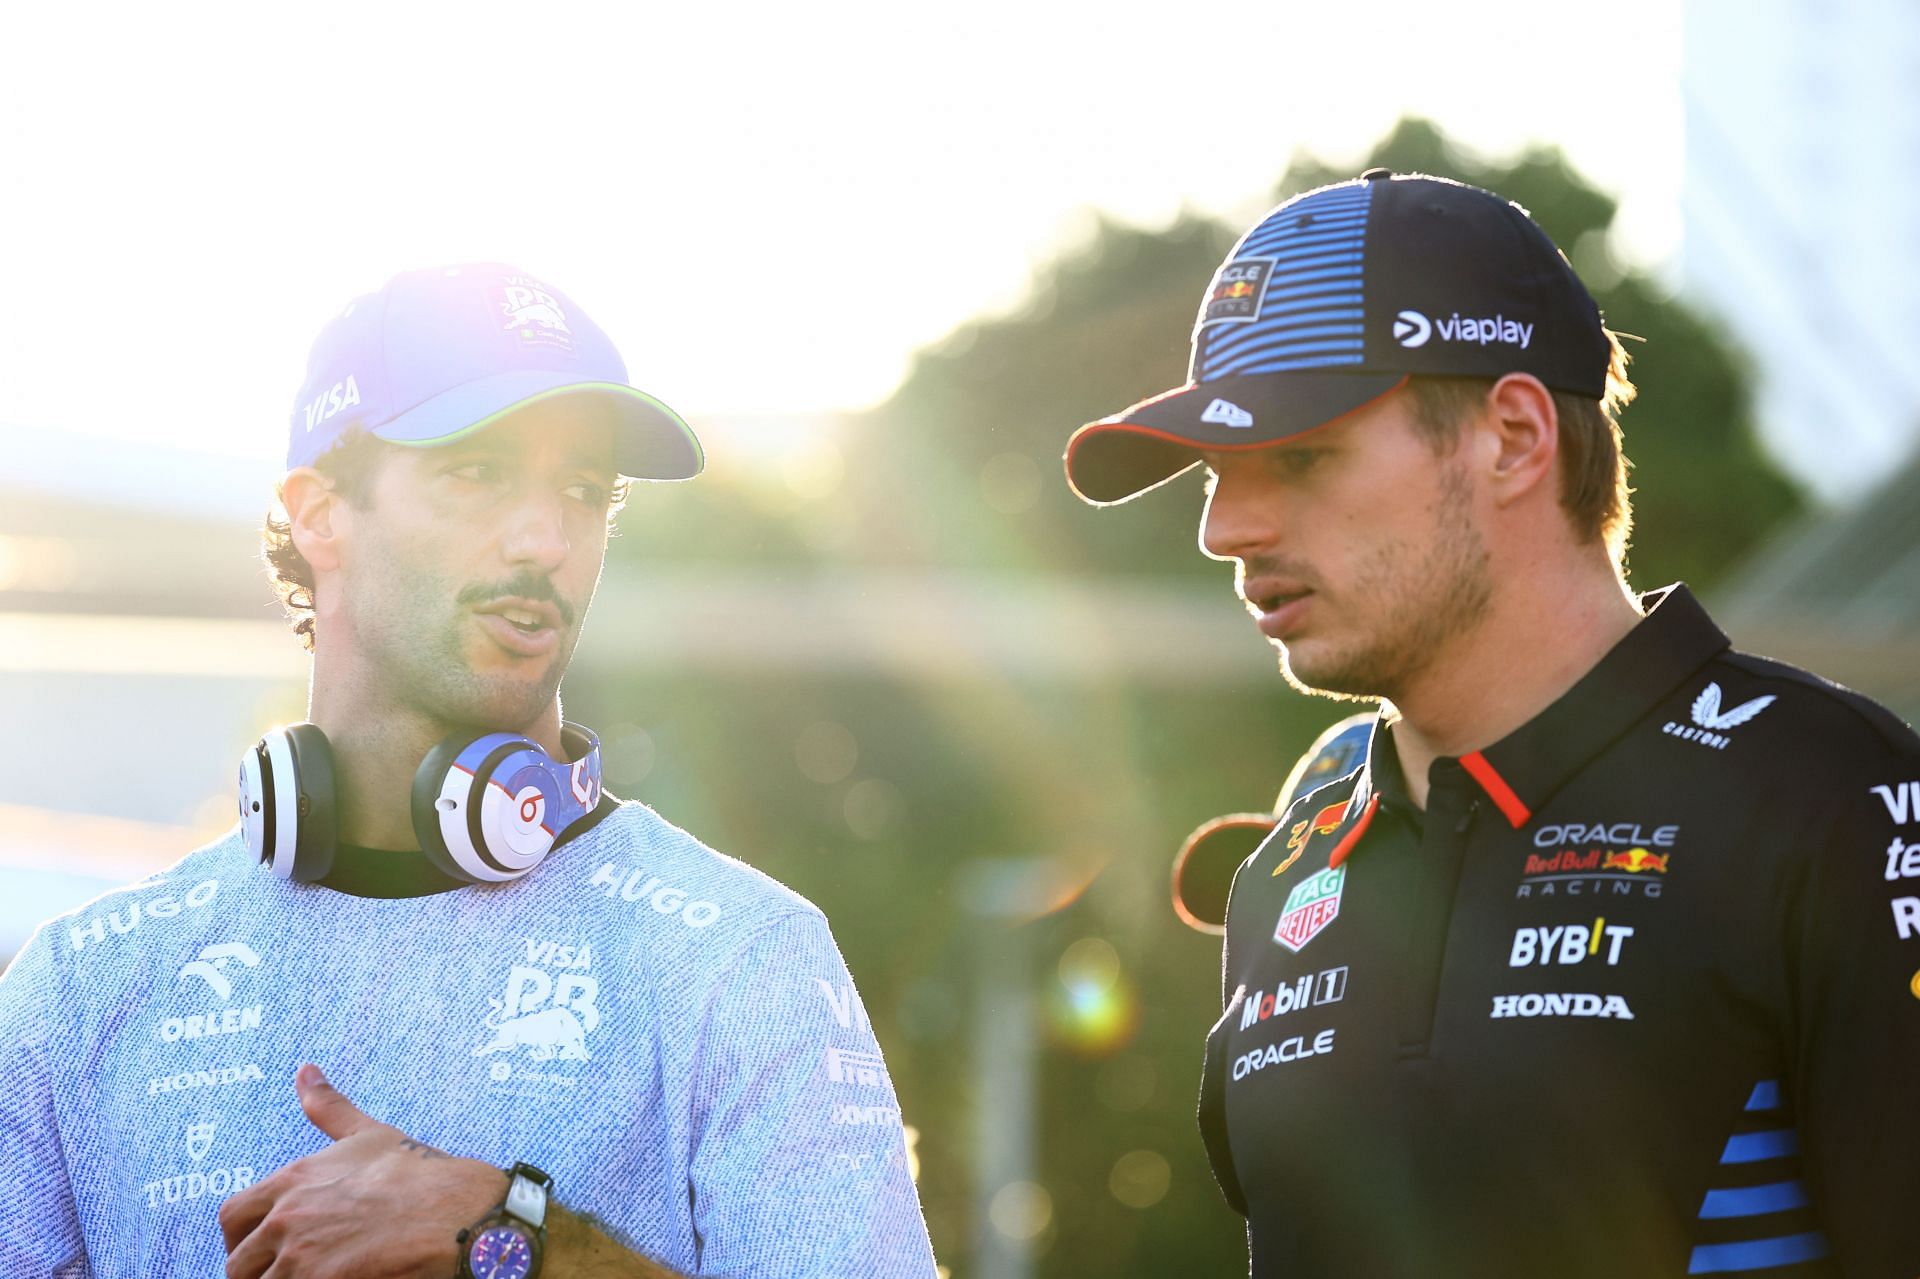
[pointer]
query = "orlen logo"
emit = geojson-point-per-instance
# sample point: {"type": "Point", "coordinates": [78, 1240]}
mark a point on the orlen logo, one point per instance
{"type": "Point", "coordinates": [1411, 329]}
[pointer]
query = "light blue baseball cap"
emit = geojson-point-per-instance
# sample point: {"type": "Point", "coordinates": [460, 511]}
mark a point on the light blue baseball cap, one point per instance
{"type": "Point", "coordinates": [439, 353]}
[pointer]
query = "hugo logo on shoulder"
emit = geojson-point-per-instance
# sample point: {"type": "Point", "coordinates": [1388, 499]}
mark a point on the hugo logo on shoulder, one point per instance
{"type": "Point", "coordinates": [486, 809]}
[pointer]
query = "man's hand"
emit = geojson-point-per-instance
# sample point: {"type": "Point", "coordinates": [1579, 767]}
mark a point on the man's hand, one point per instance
{"type": "Point", "coordinates": [374, 1205]}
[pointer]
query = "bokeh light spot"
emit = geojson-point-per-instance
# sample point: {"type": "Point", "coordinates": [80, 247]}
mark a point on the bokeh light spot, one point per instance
{"type": "Point", "coordinates": [1140, 1178]}
{"type": "Point", "coordinates": [1092, 1010]}
{"type": "Point", "coordinates": [872, 807]}
{"type": "Point", "coordinates": [627, 755]}
{"type": "Point", "coordinates": [1021, 1210]}
{"type": "Point", "coordinates": [826, 752]}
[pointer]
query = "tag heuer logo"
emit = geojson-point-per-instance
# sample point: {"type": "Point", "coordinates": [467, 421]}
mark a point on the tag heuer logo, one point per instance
{"type": "Point", "coordinates": [1227, 413]}
{"type": "Point", "coordinates": [1411, 329]}
{"type": "Point", "coordinates": [1311, 906]}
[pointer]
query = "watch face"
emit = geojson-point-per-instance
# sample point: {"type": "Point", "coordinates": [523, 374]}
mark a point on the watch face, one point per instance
{"type": "Point", "coordinates": [500, 1252]}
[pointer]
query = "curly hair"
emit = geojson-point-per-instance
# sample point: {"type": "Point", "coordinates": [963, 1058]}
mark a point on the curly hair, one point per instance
{"type": "Point", "coordinates": [351, 466]}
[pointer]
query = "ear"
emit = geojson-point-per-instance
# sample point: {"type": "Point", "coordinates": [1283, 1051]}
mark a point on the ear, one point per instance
{"type": "Point", "coordinates": [1523, 427]}
{"type": "Point", "coordinates": [312, 504]}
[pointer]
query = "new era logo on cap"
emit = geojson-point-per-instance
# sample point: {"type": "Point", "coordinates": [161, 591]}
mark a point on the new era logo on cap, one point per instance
{"type": "Point", "coordinates": [1226, 413]}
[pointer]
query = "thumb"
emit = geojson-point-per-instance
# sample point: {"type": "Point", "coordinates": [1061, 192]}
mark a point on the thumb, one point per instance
{"type": "Point", "coordinates": [327, 1107]}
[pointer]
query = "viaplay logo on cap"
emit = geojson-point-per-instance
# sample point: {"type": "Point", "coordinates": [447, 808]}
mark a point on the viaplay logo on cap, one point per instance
{"type": "Point", "coordinates": [1412, 329]}
{"type": "Point", "coordinates": [1237, 290]}
{"type": "Point", "coordinates": [533, 311]}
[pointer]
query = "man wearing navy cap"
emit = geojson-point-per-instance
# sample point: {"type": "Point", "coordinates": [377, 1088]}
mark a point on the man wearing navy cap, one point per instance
{"type": "Point", "coordinates": [566, 1036]}
{"type": "Point", "coordinates": [1606, 961]}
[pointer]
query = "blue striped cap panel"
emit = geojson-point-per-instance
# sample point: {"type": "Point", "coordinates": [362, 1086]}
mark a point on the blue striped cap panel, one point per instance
{"type": "Point", "coordinates": [1291, 294]}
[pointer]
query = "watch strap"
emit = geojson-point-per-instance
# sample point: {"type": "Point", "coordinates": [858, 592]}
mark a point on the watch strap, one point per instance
{"type": "Point", "coordinates": [527, 1192]}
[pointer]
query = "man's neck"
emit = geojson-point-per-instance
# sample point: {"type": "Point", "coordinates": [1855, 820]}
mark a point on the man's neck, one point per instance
{"type": "Point", "coordinates": [377, 748]}
{"type": "Point", "coordinates": [1537, 640]}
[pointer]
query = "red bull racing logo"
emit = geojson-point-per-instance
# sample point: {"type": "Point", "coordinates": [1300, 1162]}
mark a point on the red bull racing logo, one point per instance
{"type": "Point", "coordinates": [1237, 290]}
{"type": "Point", "coordinates": [1632, 860]}
{"type": "Point", "coordinates": [1311, 906]}
{"type": "Point", "coordinates": [1636, 860]}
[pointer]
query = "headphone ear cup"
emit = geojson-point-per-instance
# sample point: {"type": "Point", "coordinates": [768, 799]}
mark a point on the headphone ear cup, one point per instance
{"type": "Point", "coordinates": [428, 782]}
{"type": "Point", "coordinates": [316, 802]}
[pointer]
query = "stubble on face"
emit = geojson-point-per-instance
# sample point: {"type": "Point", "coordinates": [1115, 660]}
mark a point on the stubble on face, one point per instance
{"type": "Point", "coordinates": [415, 624]}
{"type": "Point", "coordinates": [1416, 598]}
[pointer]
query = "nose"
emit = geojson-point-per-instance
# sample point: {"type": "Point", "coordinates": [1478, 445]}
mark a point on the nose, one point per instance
{"type": "Point", "coordinates": [1241, 518]}
{"type": "Point", "coordinates": [536, 534]}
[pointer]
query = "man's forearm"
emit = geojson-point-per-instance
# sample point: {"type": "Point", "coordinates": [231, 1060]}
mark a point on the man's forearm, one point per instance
{"type": "Point", "coordinates": [578, 1249]}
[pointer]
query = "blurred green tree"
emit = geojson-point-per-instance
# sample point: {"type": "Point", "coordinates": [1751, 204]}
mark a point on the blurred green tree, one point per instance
{"type": "Point", "coordinates": [1108, 324]}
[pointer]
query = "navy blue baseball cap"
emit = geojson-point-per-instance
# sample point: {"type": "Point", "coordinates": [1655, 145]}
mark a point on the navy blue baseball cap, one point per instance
{"type": "Point", "coordinates": [1331, 302]}
{"type": "Point", "coordinates": [440, 353]}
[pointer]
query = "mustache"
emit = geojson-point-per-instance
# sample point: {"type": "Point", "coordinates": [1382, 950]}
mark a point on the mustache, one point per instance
{"type": "Point", "coordinates": [1272, 566]}
{"type": "Point", "coordinates": [524, 585]}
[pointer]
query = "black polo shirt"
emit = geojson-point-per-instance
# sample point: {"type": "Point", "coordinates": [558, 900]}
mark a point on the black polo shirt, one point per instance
{"type": "Point", "coordinates": [1636, 995]}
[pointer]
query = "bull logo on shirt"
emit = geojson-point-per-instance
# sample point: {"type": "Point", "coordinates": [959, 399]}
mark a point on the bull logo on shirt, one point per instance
{"type": "Point", "coordinates": [548, 1014]}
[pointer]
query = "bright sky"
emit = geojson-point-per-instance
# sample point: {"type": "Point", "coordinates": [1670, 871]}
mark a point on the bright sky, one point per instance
{"type": "Point", "coordinates": [768, 207]}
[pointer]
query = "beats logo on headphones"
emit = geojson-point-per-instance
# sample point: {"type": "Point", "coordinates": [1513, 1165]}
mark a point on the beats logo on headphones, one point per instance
{"type": "Point", "coordinates": [486, 809]}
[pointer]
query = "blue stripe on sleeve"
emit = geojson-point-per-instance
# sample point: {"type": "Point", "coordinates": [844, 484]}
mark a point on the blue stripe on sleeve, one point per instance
{"type": "Point", "coordinates": [1751, 1147]}
{"type": "Point", "coordinates": [1766, 1095]}
{"type": "Point", "coordinates": [1751, 1201]}
{"type": "Point", "coordinates": [1757, 1254]}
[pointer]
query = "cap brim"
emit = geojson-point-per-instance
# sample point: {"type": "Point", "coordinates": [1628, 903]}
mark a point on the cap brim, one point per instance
{"type": "Point", "coordinates": [1204, 867]}
{"type": "Point", "coordinates": [1123, 456]}
{"type": "Point", "coordinates": [650, 440]}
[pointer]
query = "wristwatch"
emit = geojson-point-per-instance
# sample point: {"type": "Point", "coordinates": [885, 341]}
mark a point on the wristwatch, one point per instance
{"type": "Point", "coordinates": [508, 1243]}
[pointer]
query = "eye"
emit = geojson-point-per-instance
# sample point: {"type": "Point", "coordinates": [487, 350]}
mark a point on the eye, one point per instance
{"type": "Point", "coordinates": [588, 492]}
{"type": "Point", "coordinates": [1295, 461]}
{"type": "Point", "coordinates": [475, 472]}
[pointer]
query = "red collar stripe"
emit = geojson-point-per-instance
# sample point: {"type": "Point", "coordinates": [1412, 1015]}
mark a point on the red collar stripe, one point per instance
{"type": "Point", "coordinates": [1517, 813]}
{"type": "Point", "coordinates": [1352, 837]}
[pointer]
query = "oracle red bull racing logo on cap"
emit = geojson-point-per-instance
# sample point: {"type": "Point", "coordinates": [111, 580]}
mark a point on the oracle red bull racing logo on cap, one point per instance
{"type": "Point", "coordinates": [1311, 906]}
{"type": "Point", "coordinates": [1237, 290]}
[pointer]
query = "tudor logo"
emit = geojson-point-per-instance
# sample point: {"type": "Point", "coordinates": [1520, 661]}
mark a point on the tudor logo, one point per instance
{"type": "Point", "coordinates": [1226, 413]}
{"type": "Point", "coordinates": [1411, 329]}
{"type": "Point", "coordinates": [200, 1139]}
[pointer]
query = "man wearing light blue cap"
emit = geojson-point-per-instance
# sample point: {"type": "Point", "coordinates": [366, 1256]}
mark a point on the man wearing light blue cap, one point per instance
{"type": "Point", "coordinates": [575, 1039]}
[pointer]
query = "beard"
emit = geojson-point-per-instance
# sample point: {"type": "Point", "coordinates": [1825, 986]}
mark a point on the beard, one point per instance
{"type": "Point", "coordinates": [417, 627]}
{"type": "Point", "coordinates": [1424, 595]}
